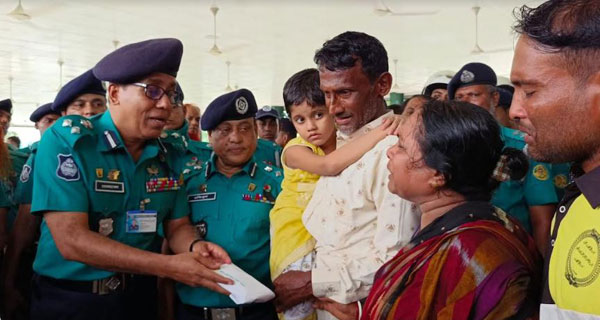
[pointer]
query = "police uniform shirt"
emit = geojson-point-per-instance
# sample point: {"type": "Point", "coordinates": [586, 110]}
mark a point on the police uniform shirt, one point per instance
{"type": "Point", "coordinates": [561, 177]}
{"type": "Point", "coordinates": [24, 191]}
{"type": "Point", "coordinates": [572, 272]}
{"type": "Point", "coordinates": [537, 188]}
{"type": "Point", "coordinates": [233, 213]}
{"type": "Point", "coordinates": [4, 200]}
{"type": "Point", "coordinates": [82, 165]}
{"type": "Point", "coordinates": [268, 152]}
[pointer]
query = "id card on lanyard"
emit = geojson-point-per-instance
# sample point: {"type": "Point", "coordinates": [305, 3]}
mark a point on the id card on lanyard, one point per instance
{"type": "Point", "coordinates": [141, 221]}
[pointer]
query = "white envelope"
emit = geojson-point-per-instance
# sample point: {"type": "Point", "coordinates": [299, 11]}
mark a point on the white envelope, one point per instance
{"type": "Point", "coordinates": [245, 289]}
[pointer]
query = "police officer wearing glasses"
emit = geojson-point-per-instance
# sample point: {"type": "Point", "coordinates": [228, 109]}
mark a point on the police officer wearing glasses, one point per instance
{"type": "Point", "coordinates": [104, 186]}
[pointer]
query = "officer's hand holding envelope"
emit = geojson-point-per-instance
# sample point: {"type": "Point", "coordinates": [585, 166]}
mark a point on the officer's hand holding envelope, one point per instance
{"type": "Point", "coordinates": [245, 289]}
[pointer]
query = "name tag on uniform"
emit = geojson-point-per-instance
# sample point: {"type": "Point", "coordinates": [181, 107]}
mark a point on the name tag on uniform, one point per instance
{"type": "Point", "coordinates": [139, 221]}
{"type": "Point", "coordinates": [109, 186]}
{"type": "Point", "coordinates": [207, 196]}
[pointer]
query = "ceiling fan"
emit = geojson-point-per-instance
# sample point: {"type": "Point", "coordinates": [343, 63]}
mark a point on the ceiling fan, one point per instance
{"type": "Point", "coordinates": [477, 49]}
{"type": "Point", "coordinates": [215, 49]}
{"type": "Point", "coordinates": [396, 86]}
{"type": "Point", "coordinates": [383, 10]}
{"type": "Point", "coordinates": [228, 88]}
{"type": "Point", "coordinates": [19, 13]}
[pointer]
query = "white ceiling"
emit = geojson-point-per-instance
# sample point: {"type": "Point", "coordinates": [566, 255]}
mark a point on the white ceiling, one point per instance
{"type": "Point", "coordinates": [265, 40]}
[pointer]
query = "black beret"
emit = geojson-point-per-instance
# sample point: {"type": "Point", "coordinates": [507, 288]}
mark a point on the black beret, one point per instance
{"type": "Point", "coordinates": [267, 111]}
{"type": "Point", "coordinates": [135, 61]}
{"type": "Point", "coordinates": [6, 105]}
{"type": "Point", "coordinates": [471, 74]}
{"type": "Point", "coordinates": [85, 83]}
{"type": "Point", "coordinates": [507, 87]}
{"type": "Point", "coordinates": [41, 111]}
{"type": "Point", "coordinates": [236, 105]}
{"type": "Point", "coordinates": [505, 98]}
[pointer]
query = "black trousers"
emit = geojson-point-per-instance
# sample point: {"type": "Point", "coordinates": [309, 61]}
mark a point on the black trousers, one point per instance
{"type": "Point", "coordinates": [51, 302]}
{"type": "Point", "coordinates": [259, 311]}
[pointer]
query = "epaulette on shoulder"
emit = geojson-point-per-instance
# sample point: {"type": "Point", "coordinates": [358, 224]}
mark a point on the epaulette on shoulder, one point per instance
{"type": "Point", "coordinates": [73, 127]}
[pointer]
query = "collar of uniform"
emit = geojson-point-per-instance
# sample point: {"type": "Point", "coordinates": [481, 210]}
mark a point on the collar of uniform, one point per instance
{"type": "Point", "coordinates": [588, 184]}
{"type": "Point", "coordinates": [211, 167]}
{"type": "Point", "coordinates": [111, 138]}
{"type": "Point", "coordinates": [343, 138]}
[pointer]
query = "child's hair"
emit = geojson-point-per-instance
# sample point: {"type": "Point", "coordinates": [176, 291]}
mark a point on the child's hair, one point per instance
{"type": "Point", "coordinates": [303, 86]}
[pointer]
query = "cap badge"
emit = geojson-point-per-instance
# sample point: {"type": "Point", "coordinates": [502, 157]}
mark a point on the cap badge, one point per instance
{"type": "Point", "coordinates": [467, 76]}
{"type": "Point", "coordinates": [241, 105]}
{"type": "Point", "coordinates": [266, 108]}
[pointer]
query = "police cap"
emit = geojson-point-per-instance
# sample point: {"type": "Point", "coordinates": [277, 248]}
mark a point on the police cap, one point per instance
{"type": "Point", "coordinates": [6, 105]}
{"type": "Point", "coordinates": [474, 73]}
{"type": "Point", "coordinates": [85, 83]}
{"type": "Point", "coordinates": [505, 98]}
{"type": "Point", "coordinates": [41, 111]}
{"type": "Point", "coordinates": [135, 61]}
{"type": "Point", "coordinates": [236, 105]}
{"type": "Point", "coordinates": [267, 111]}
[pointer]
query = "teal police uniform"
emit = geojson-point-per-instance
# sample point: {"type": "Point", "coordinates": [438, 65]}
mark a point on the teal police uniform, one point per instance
{"type": "Point", "coordinates": [268, 152]}
{"type": "Point", "coordinates": [561, 177]}
{"type": "Point", "coordinates": [4, 200]}
{"type": "Point", "coordinates": [85, 164]}
{"type": "Point", "coordinates": [537, 188]}
{"type": "Point", "coordinates": [24, 191]}
{"type": "Point", "coordinates": [234, 213]}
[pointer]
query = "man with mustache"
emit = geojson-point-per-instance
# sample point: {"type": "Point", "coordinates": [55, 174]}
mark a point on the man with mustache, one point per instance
{"type": "Point", "coordinates": [556, 74]}
{"type": "Point", "coordinates": [103, 185]}
{"type": "Point", "coordinates": [357, 223]}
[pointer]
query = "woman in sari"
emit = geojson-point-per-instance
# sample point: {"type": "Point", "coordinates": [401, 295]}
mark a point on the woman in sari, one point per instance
{"type": "Point", "coordinates": [468, 260]}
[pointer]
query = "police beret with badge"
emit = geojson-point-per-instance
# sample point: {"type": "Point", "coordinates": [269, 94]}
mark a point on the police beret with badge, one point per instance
{"type": "Point", "coordinates": [236, 105]}
{"type": "Point", "coordinates": [41, 111]}
{"type": "Point", "coordinates": [84, 83]}
{"type": "Point", "coordinates": [471, 74]}
{"type": "Point", "coordinates": [6, 105]}
{"type": "Point", "coordinates": [135, 61]}
{"type": "Point", "coordinates": [267, 111]}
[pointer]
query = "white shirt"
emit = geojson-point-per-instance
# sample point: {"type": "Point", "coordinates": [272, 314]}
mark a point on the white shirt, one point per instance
{"type": "Point", "coordinates": [357, 222]}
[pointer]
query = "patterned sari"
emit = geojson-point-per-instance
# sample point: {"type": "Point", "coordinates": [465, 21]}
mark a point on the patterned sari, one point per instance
{"type": "Point", "coordinates": [471, 263]}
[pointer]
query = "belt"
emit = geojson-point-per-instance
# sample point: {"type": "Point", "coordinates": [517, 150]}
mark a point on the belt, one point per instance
{"type": "Point", "coordinates": [119, 282]}
{"type": "Point", "coordinates": [207, 313]}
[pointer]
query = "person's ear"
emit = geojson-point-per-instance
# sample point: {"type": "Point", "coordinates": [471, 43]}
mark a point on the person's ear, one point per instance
{"type": "Point", "coordinates": [437, 181]}
{"type": "Point", "coordinates": [113, 94]}
{"type": "Point", "coordinates": [383, 84]}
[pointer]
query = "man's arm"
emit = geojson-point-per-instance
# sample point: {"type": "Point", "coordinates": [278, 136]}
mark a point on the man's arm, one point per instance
{"type": "Point", "coordinates": [76, 242]}
{"type": "Point", "coordinates": [292, 288]}
{"type": "Point", "coordinates": [22, 238]}
{"type": "Point", "coordinates": [541, 219]}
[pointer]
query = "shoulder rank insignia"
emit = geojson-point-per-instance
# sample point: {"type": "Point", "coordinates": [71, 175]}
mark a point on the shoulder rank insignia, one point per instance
{"type": "Point", "coordinates": [67, 123]}
{"type": "Point", "coordinates": [75, 130]}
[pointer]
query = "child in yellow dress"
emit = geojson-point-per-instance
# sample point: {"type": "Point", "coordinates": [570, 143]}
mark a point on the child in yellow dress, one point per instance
{"type": "Point", "coordinates": [305, 159]}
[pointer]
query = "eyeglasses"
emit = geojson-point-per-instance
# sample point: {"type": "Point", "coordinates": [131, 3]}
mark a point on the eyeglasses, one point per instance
{"type": "Point", "coordinates": [155, 92]}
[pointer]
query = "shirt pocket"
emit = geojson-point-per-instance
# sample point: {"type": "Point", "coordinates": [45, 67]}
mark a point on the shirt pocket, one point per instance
{"type": "Point", "coordinates": [252, 225]}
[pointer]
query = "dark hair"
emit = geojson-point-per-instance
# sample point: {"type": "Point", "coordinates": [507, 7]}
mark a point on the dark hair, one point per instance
{"type": "Point", "coordinates": [303, 86]}
{"type": "Point", "coordinates": [416, 96]}
{"type": "Point", "coordinates": [568, 27]}
{"type": "Point", "coordinates": [15, 139]}
{"type": "Point", "coordinates": [462, 141]}
{"type": "Point", "coordinates": [286, 125]}
{"type": "Point", "coordinates": [346, 49]}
